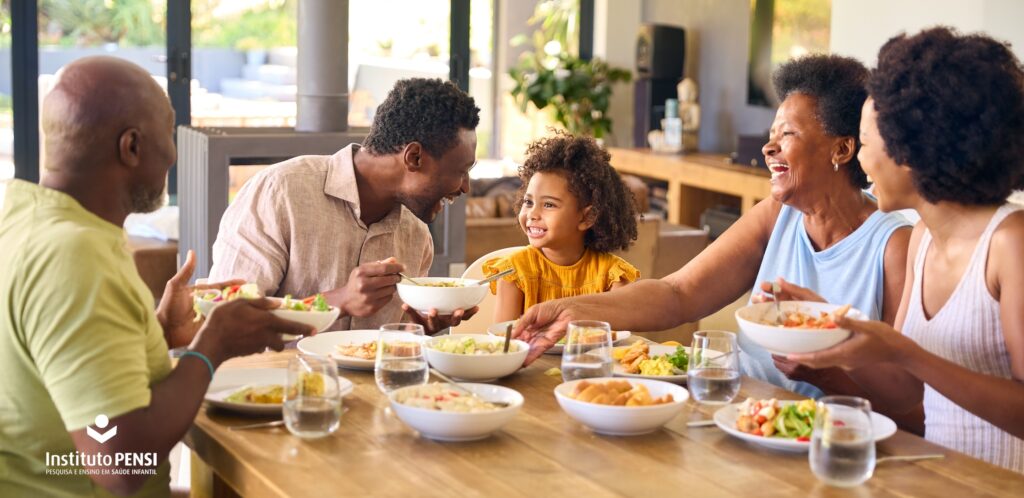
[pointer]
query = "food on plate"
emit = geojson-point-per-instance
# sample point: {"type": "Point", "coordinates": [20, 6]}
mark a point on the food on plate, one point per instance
{"type": "Point", "coordinates": [441, 397]}
{"type": "Point", "coordinates": [636, 359]}
{"type": "Point", "coordinates": [588, 336]}
{"type": "Point", "coordinates": [251, 291]}
{"type": "Point", "coordinates": [616, 392]}
{"type": "Point", "coordinates": [800, 320]}
{"type": "Point", "coordinates": [470, 346]}
{"type": "Point", "coordinates": [366, 350]}
{"type": "Point", "coordinates": [764, 417]}
{"type": "Point", "coordinates": [273, 394]}
{"type": "Point", "coordinates": [553, 372]}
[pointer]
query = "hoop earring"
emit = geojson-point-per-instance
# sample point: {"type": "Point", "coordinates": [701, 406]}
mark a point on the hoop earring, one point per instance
{"type": "Point", "coordinates": [835, 166]}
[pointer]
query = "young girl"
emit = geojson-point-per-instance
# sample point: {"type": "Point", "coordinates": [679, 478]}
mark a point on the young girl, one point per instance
{"type": "Point", "coordinates": [574, 210]}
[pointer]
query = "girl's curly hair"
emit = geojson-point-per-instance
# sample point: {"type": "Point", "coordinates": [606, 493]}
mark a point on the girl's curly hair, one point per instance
{"type": "Point", "coordinates": [586, 166]}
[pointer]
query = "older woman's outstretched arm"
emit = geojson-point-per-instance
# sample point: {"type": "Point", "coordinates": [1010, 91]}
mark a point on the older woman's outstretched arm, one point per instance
{"type": "Point", "coordinates": [716, 277]}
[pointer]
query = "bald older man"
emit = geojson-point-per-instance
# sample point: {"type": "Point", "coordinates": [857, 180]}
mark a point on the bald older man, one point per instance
{"type": "Point", "coordinates": [82, 352]}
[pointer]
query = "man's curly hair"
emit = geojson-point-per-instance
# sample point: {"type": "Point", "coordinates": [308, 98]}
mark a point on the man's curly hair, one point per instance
{"type": "Point", "coordinates": [837, 85]}
{"type": "Point", "coordinates": [428, 111]}
{"type": "Point", "coordinates": [951, 107]}
{"type": "Point", "coordinates": [592, 180]}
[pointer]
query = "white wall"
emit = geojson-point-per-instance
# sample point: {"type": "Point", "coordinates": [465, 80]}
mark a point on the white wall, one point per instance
{"type": "Point", "coordinates": [861, 27]}
{"type": "Point", "coordinates": [616, 23]}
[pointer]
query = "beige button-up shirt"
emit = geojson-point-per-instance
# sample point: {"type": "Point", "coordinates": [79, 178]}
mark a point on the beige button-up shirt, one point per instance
{"type": "Point", "coordinates": [294, 228]}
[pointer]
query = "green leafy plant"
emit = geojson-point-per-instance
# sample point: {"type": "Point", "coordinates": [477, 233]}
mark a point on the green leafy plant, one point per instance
{"type": "Point", "coordinates": [577, 91]}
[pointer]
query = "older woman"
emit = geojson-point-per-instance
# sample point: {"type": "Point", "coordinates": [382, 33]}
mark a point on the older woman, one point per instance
{"type": "Point", "coordinates": [817, 230]}
{"type": "Point", "coordinates": [944, 134]}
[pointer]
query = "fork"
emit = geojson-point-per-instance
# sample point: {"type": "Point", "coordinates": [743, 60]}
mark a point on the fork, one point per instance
{"type": "Point", "coordinates": [400, 274]}
{"type": "Point", "coordinates": [910, 458]}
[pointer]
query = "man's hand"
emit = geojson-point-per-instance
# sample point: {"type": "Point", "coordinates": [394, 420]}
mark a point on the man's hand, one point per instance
{"type": "Point", "coordinates": [370, 286]}
{"type": "Point", "coordinates": [543, 325]}
{"type": "Point", "coordinates": [243, 327]}
{"type": "Point", "coordinates": [433, 323]}
{"type": "Point", "coordinates": [175, 312]}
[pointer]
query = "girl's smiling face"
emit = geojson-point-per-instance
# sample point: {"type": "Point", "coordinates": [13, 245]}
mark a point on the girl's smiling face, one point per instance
{"type": "Point", "coordinates": [551, 215]}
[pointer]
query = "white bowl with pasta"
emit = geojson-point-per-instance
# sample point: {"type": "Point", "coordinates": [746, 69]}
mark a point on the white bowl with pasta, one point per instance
{"type": "Point", "coordinates": [447, 420]}
{"type": "Point", "coordinates": [758, 323]}
{"type": "Point", "coordinates": [443, 294]}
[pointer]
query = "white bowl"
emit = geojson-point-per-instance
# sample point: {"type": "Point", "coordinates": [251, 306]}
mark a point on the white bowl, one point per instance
{"type": "Point", "coordinates": [321, 320]}
{"type": "Point", "coordinates": [623, 420]}
{"type": "Point", "coordinates": [445, 299]}
{"type": "Point", "coordinates": [498, 329]}
{"type": "Point", "coordinates": [477, 368]}
{"type": "Point", "coordinates": [785, 340]}
{"type": "Point", "coordinates": [451, 426]}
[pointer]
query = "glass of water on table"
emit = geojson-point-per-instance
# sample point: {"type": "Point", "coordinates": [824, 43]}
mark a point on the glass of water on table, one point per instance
{"type": "Point", "coordinates": [842, 444]}
{"type": "Point", "coordinates": [588, 350]}
{"type": "Point", "coordinates": [713, 375]}
{"type": "Point", "coordinates": [312, 397]}
{"type": "Point", "coordinates": [400, 359]}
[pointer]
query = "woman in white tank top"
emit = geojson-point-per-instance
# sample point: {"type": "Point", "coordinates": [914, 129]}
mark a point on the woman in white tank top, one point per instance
{"type": "Point", "coordinates": [943, 133]}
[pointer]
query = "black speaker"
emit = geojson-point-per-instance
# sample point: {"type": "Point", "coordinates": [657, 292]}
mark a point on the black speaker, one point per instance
{"type": "Point", "coordinates": [649, 97]}
{"type": "Point", "coordinates": [659, 51]}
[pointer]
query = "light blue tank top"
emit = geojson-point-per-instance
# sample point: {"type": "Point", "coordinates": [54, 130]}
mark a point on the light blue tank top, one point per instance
{"type": "Point", "coordinates": [851, 271]}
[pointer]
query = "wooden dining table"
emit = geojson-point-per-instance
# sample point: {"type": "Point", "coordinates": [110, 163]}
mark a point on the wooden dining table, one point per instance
{"type": "Point", "coordinates": [543, 452]}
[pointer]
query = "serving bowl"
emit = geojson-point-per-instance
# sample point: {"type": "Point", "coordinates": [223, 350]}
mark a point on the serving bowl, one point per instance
{"type": "Point", "coordinates": [476, 367]}
{"type": "Point", "coordinates": [757, 323]}
{"type": "Point", "coordinates": [623, 420]}
{"type": "Point", "coordinates": [444, 299]}
{"type": "Point", "coordinates": [320, 320]}
{"type": "Point", "coordinates": [458, 426]}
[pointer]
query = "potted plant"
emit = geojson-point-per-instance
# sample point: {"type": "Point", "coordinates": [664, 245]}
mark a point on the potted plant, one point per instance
{"type": "Point", "coordinates": [577, 91]}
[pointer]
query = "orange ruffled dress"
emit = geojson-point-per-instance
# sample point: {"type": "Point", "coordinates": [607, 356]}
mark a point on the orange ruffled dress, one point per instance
{"type": "Point", "coordinates": [541, 280]}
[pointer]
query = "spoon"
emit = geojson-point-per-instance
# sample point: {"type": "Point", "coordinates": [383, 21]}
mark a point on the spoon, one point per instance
{"type": "Point", "coordinates": [508, 338]}
{"type": "Point", "coordinates": [456, 385]}
{"type": "Point", "coordinates": [776, 288]}
{"type": "Point", "coordinates": [400, 274]}
{"type": "Point", "coordinates": [496, 276]}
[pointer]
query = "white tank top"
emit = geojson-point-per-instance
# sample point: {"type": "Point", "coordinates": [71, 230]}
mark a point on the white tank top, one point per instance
{"type": "Point", "coordinates": [966, 331]}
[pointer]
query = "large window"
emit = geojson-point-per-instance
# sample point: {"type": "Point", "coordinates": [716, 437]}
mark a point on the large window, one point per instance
{"type": "Point", "coordinates": [6, 116]}
{"type": "Point", "coordinates": [71, 29]}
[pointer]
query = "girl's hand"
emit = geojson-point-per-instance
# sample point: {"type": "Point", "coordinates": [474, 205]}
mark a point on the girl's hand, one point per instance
{"type": "Point", "coordinates": [871, 342]}
{"type": "Point", "coordinates": [787, 292]}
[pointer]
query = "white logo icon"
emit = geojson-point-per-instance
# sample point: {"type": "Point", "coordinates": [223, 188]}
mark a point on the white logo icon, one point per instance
{"type": "Point", "coordinates": [101, 437]}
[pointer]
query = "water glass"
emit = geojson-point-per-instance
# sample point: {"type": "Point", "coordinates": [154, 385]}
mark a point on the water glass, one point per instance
{"type": "Point", "coordinates": [312, 399]}
{"type": "Point", "coordinates": [400, 360]}
{"type": "Point", "coordinates": [842, 444]}
{"type": "Point", "coordinates": [588, 350]}
{"type": "Point", "coordinates": [713, 374]}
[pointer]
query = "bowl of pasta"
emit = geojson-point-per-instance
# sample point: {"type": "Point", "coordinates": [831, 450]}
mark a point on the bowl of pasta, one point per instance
{"type": "Point", "coordinates": [804, 327]}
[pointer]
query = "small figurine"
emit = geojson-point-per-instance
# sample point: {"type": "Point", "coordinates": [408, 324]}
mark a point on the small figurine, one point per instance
{"type": "Point", "coordinates": [689, 113]}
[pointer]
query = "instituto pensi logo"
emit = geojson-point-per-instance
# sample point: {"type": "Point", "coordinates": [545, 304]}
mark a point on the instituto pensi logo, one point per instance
{"type": "Point", "coordinates": [101, 422]}
{"type": "Point", "coordinates": [101, 463]}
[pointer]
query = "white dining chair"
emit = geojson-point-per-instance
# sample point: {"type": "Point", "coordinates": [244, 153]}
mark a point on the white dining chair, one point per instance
{"type": "Point", "coordinates": [479, 322]}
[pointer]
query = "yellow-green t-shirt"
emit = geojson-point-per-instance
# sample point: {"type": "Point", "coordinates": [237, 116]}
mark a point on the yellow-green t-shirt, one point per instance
{"type": "Point", "coordinates": [78, 338]}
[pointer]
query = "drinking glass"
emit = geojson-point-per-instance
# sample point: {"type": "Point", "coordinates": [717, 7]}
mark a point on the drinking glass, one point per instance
{"type": "Point", "coordinates": [588, 350]}
{"type": "Point", "coordinates": [312, 399]}
{"type": "Point", "coordinates": [400, 358]}
{"type": "Point", "coordinates": [842, 444]}
{"type": "Point", "coordinates": [713, 375]}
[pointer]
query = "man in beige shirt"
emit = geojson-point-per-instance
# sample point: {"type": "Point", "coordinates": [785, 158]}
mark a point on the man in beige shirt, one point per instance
{"type": "Point", "coordinates": [345, 224]}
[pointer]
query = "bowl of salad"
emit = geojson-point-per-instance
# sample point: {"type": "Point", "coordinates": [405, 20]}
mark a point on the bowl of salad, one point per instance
{"type": "Point", "coordinates": [313, 311]}
{"type": "Point", "coordinates": [442, 412]}
{"type": "Point", "coordinates": [475, 357]}
{"type": "Point", "coordinates": [805, 327]}
{"type": "Point", "coordinates": [443, 294]}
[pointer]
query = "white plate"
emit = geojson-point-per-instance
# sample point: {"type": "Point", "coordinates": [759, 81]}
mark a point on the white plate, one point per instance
{"type": "Point", "coordinates": [325, 344]}
{"type": "Point", "coordinates": [228, 382]}
{"type": "Point", "coordinates": [499, 329]}
{"type": "Point", "coordinates": [725, 418]}
{"type": "Point", "coordinates": [654, 350]}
